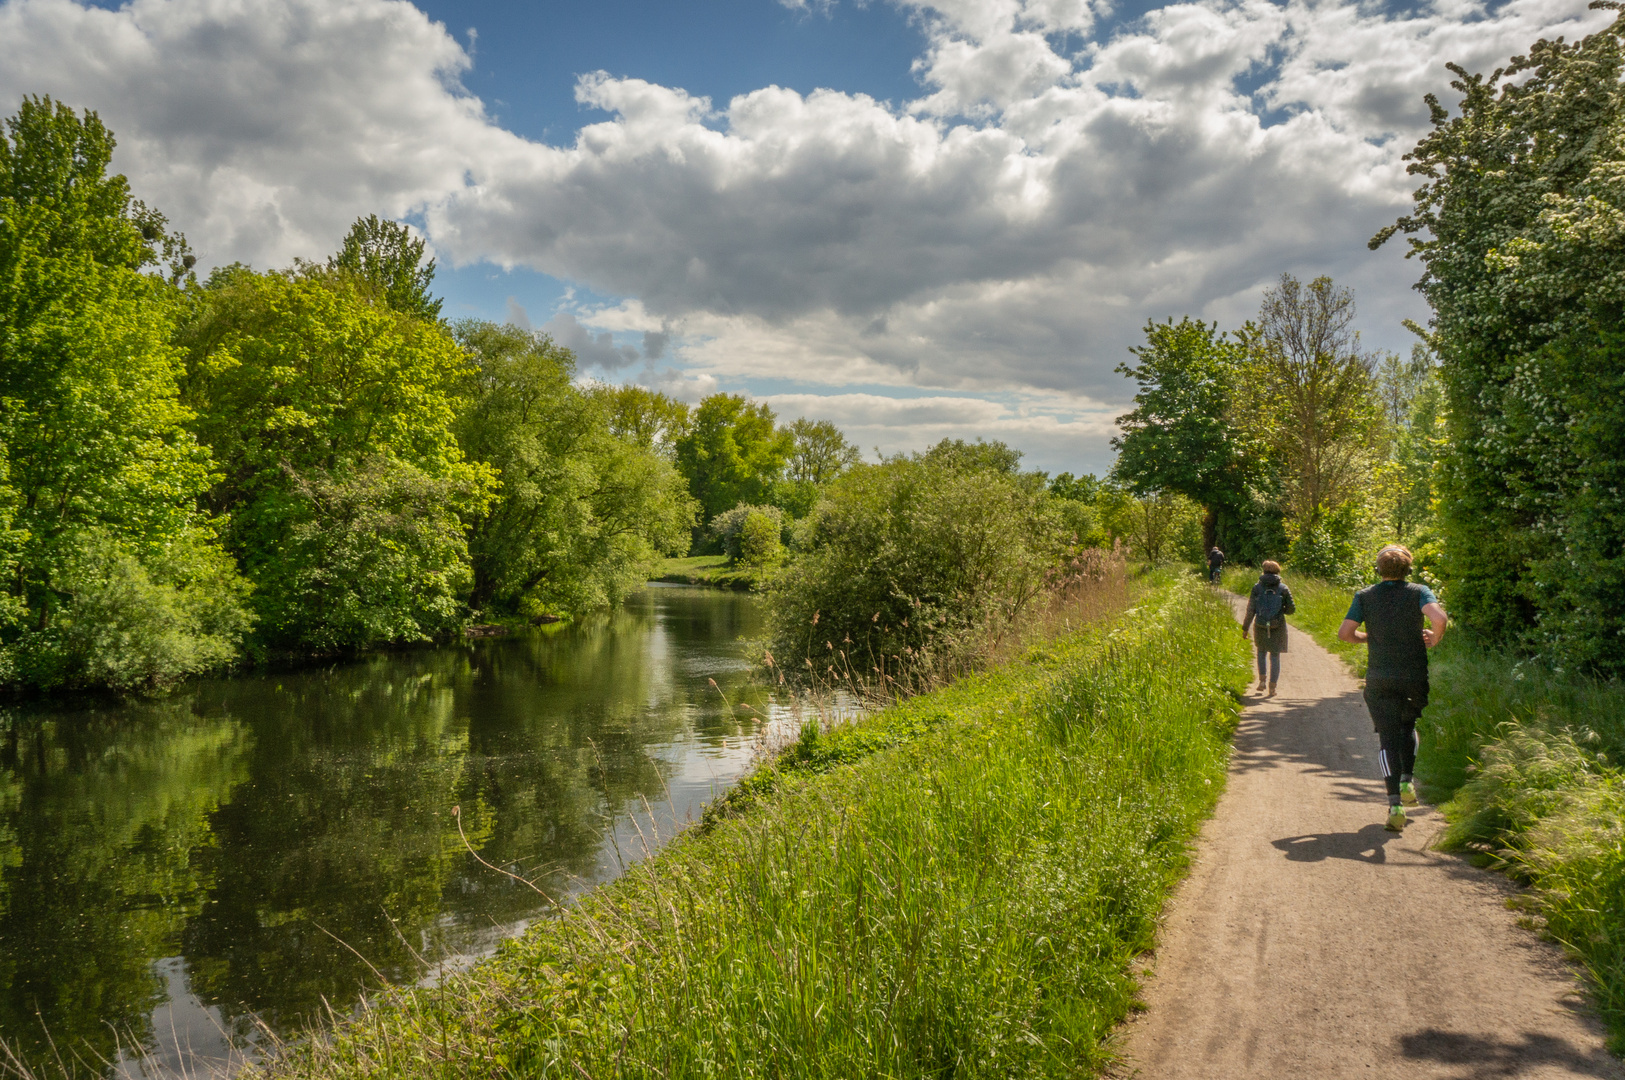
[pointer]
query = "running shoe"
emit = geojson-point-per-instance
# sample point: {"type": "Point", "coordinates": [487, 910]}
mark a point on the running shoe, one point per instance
{"type": "Point", "coordinates": [1396, 819]}
{"type": "Point", "coordinates": [1407, 793]}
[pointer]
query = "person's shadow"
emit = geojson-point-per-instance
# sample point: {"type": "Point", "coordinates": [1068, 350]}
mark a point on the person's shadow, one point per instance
{"type": "Point", "coordinates": [1363, 846]}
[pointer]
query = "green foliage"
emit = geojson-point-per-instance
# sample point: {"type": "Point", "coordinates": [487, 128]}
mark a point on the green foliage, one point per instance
{"type": "Point", "coordinates": [732, 453]}
{"type": "Point", "coordinates": [728, 527]}
{"type": "Point", "coordinates": [1157, 528]}
{"type": "Point", "coordinates": [1521, 202]}
{"type": "Point", "coordinates": [645, 418]}
{"type": "Point", "coordinates": [956, 884]}
{"type": "Point", "coordinates": [1533, 760]}
{"type": "Point", "coordinates": [759, 540]}
{"type": "Point", "coordinates": [1185, 436]}
{"type": "Point", "coordinates": [101, 476]}
{"type": "Point", "coordinates": [907, 562]}
{"type": "Point", "coordinates": [583, 513]}
{"type": "Point", "coordinates": [131, 624]}
{"type": "Point", "coordinates": [331, 418]}
{"type": "Point", "coordinates": [386, 256]}
{"type": "Point", "coordinates": [819, 452]}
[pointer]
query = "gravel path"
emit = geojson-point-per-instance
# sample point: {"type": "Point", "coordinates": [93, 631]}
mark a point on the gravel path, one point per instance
{"type": "Point", "coordinates": [1310, 942]}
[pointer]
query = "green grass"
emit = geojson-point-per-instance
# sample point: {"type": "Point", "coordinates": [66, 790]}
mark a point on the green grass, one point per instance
{"type": "Point", "coordinates": [712, 570]}
{"type": "Point", "coordinates": [956, 885]}
{"type": "Point", "coordinates": [1526, 762]}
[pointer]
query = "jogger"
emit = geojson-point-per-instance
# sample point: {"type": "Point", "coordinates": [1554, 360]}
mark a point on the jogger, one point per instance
{"type": "Point", "coordinates": [1396, 681]}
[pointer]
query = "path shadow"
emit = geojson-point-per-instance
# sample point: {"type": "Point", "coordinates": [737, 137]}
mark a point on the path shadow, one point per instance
{"type": "Point", "coordinates": [1331, 735]}
{"type": "Point", "coordinates": [1363, 846]}
{"type": "Point", "coordinates": [1484, 1057]}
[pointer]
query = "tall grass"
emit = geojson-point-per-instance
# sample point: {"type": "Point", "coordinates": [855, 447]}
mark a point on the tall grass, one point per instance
{"type": "Point", "coordinates": [964, 896]}
{"type": "Point", "coordinates": [1526, 762]}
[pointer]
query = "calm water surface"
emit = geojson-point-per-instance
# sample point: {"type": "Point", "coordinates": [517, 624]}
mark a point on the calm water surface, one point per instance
{"type": "Point", "coordinates": [172, 872]}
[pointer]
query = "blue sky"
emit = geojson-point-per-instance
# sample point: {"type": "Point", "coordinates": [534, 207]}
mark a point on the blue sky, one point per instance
{"type": "Point", "coordinates": [917, 218]}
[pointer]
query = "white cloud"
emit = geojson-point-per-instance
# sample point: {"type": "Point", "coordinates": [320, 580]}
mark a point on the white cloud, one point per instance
{"type": "Point", "coordinates": [1008, 233]}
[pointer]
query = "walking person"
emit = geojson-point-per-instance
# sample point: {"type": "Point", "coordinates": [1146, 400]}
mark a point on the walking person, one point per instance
{"type": "Point", "coordinates": [1396, 677]}
{"type": "Point", "coordinates": [1215, 564]}
{"type": "Point", "coordinates": [1268, 606]}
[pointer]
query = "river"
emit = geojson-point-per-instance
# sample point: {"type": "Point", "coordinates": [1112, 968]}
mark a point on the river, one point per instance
{"type": "Point", "coordinates": [176, 873]}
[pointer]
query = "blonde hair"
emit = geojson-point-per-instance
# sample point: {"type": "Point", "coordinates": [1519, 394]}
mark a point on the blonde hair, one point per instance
{"type": "Point", "coordinates": [1394, 562]}
{"type": "Point", "coordinates": [1271, 567]}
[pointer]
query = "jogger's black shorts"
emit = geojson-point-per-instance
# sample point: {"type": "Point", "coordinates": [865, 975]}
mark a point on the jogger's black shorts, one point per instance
{"type": "Point", "coordinates": [1395, 704]}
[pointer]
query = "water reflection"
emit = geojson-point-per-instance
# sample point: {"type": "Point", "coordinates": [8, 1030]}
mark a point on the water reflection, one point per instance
{"type": "Point", "coordinates": [256, 846]}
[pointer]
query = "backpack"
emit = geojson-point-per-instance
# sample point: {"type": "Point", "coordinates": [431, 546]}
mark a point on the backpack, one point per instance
{"type": "Point", "coordinates": [1268, 608]}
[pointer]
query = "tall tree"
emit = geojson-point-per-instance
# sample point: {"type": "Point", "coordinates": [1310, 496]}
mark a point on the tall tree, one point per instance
{"type": "Point", "coordinates": [645, 417]}
{"type": "Point", "coordinates": [1184, 435]}
{"type": "Point", "coordinates": [819, 452]}
{"type": "Point", "coordinates": [389, 258]}
{"type": "Point", "coordinates": [583, 511]}
{"type": "Point", "coordinates": [1522, 211]}
{"type": "Point", "coordinates": [331, 417]}
{"type": "Point", "coordinates": [1310, 390]}
{"type": "Point", "coordinates": [733, 453]}
{"type": "Point", "coordinates": [113, 576]}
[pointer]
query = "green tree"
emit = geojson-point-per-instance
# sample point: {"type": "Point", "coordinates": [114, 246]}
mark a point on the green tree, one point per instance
{"type": "Point", "coordinates": [1521, 209]}
{"type": "Point", "coordinates": [819, 453]}
{"type": "Point", "coordinates": [583, 511]}
{"type": "Point", "coordinates": [1156, 528]}
{"type": "Point", "coordinates": [389, 258]}
{"type": "Point", "coordinates": [331, 417]}
{"type": "Point", "coordinates": [733, 453]}
{"type": "Point", "coordinates": [644, 417]}
{"type": "Point", "coordinates": [102, 476]}
{"type": "Point", "coordinates": [1310, 395]}
{"type": "Point", "coordinates": [1185, 435]}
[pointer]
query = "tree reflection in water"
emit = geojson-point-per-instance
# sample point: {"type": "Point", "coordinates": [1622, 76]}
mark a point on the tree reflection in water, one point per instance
{"type": "Point", "coordinates": [278, 840]}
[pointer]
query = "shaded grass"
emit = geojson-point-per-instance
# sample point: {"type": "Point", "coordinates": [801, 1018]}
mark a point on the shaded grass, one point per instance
{"type": "Point", "coordinates": [953, 886]}
{"type": "Point", "coordinates": [1525, 761]}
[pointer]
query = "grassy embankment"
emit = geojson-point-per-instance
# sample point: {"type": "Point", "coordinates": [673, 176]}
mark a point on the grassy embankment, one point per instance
{"type": "Point", "coordinates": [955, 884]}
{"type": "Point", "coordinates": [1526, 764]}
{"type": "Point", "coordinates": [713, 570]}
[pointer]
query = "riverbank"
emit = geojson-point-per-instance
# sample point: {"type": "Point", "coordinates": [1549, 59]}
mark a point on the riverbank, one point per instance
{"type": "Point", "coordinates": [963, 884]}
{"type": "Point", "coordinates": [711, 570]}
{"type": "Point", "coordinates": [1524, 761]}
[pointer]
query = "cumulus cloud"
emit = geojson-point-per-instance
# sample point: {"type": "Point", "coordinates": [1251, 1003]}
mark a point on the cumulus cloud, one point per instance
{"type": "Point", "coordinates": [1006, 233]}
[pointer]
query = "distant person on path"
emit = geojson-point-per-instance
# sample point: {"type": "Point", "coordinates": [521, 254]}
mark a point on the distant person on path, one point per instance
{"type": "Point", "coordinates": [1396, 676]}
{"type": "Point", "coordinates": [1215, 563]}
{"type": "Point", "coordinates": [1269, 604]}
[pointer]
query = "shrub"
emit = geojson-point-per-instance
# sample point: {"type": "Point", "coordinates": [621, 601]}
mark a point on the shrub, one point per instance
{"type": "Point", "coordinates": [727, 526]}
{"type": "Point", "coordinates": [759, 540]}
{"type": "Point", "coordinates": [914, 562]}
{"type": "Point", "coordinates": [374, 556]}
{"type": "Point", "coordinates": [130, 623]}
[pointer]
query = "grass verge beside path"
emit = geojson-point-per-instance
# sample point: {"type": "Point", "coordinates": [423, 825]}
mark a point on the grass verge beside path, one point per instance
{"type": "Point", "coordinates": [1526, 762]}
{"type": "Point", "coordinates": [954, 885]}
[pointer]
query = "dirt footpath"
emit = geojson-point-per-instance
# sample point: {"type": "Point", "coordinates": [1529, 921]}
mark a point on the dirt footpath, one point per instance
{"type": "Point", "coordinates": [1310, 942]}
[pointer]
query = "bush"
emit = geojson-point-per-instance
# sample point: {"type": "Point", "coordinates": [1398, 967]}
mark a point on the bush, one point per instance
{"type": "Point", "coordinates": [728, 526]}
{"type": "Point", "coordinates": [759, 540]}
{"type": "Point", "coordinates": [129, 623]}
{"type": "Point", "coordinates": [374, 556]}
{"type": "Point", "coordinates": [913, 563]}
